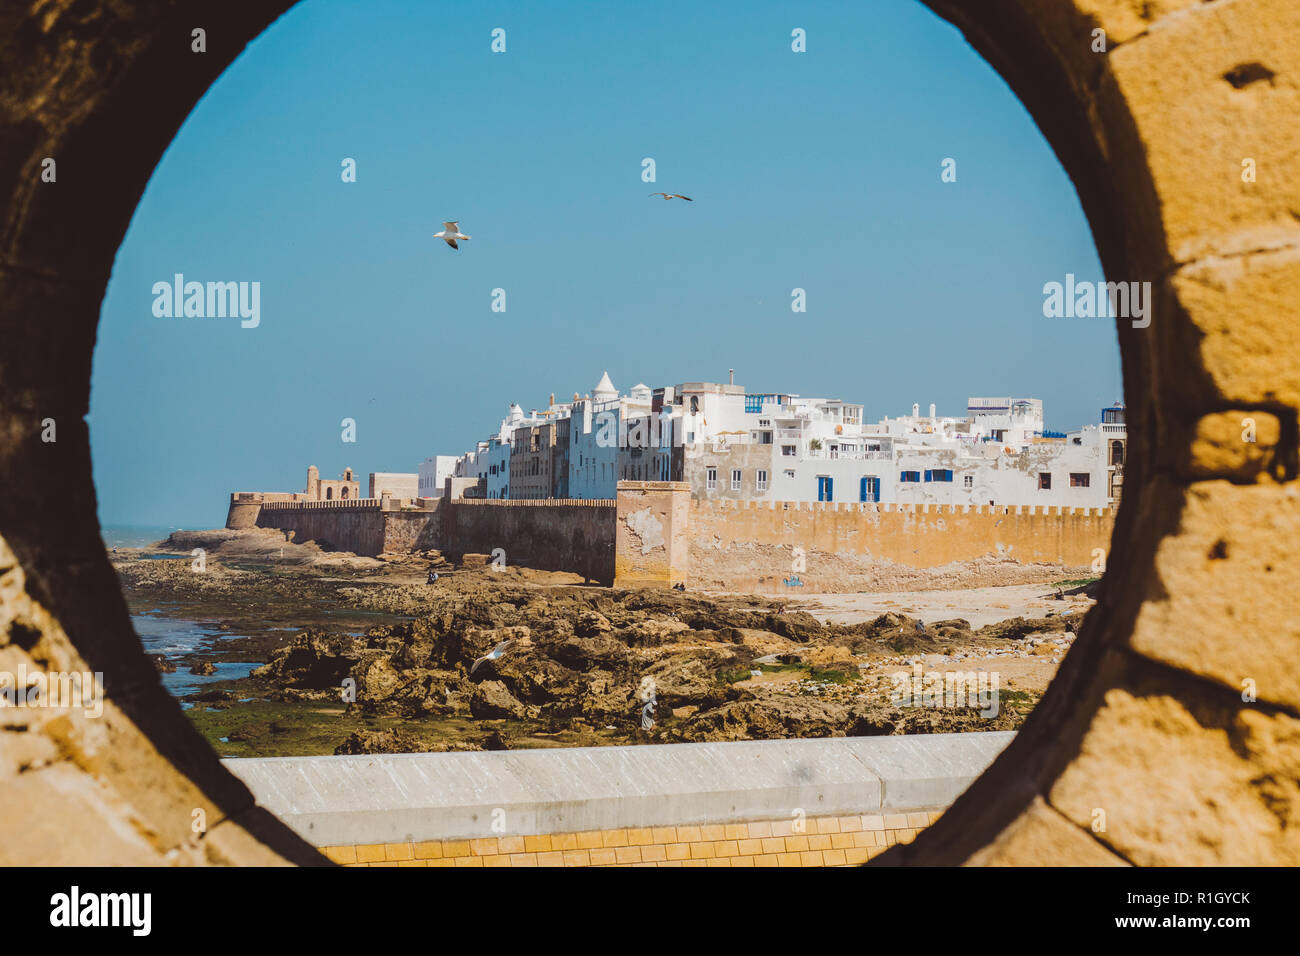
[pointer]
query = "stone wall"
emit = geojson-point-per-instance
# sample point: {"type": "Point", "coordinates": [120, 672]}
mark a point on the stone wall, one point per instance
{"type": "Point", "coordinates": [548, 534]}
{"type": "Point", "coordinates": [651, 544]}
{"type": "Point", "coordinates": [356, 526]}
{"type": "Point", "coordinates": [845, 547]}
{"type": "Point", "coordinates": [656, 535]}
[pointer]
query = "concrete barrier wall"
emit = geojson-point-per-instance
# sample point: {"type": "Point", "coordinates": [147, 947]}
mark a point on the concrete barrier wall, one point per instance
{"type": "Point", "coordinates": [657, 803]}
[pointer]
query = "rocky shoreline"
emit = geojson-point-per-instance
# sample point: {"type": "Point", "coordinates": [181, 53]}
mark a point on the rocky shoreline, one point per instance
{"type": "Point", "coordinates": [362, 656]}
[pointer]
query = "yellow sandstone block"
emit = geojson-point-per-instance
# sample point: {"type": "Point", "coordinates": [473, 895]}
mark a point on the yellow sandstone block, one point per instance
{"type": "Point", "coordinates": [370, 853]}
{"type": "Point", "coordinates": [398, 851]}
{"type": "Point", "coordinates": [340, 854]}
{"type": "Point", "coordinates": [429, 850]}
{"type": "Point", "coordinates": [627, 854]}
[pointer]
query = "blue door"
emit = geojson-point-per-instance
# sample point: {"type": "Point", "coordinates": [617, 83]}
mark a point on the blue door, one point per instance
{"type": "Point", "coordinates": [824, 489]}
{"type": "Point", "coordinates": [869, 489]}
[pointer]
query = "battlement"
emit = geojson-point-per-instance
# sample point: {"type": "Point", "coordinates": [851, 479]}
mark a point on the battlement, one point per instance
{"type": "Point", "coordinates": [723, 505]}
{"type": "Point", "coordinates": [655, 534]}
{"type": "Point", "coordinates": [537, 502]}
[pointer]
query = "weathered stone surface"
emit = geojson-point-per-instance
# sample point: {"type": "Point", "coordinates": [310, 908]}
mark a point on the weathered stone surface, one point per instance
{"type": "Point", "coordinates": [1230, 577]}
{"type": "Point", "coordinates": [1039, 835]}
{"type": "Point", "coordinates": [1239, 445]}
{"type": "Point", "coordinates": [1193, 784]}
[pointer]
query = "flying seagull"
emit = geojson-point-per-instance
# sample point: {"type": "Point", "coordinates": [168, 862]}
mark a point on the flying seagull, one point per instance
{"type": "Point", "coordinates": [668, 196]}
{"type": "Point", "coordinates": [491, 655]}
{"type": "Point", "coordinates": [451, 233]}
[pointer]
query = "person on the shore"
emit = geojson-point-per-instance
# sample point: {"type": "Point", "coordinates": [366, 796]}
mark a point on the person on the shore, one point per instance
{"type": "Point", "coordinates": [433, 577]}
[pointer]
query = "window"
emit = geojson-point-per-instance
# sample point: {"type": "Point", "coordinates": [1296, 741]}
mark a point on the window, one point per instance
{"type": "Point", "coordinates": [938, 474]}
{"type": "Point", "coordinates": [787, 451]}
{"type": "Point", "coordinates": [1080, 479]}
{"type": "Point", "coordinates": [764, 422]}
{"type": "Point", "coordinates": [765, 438]}
{"type": "Point", "coordinates": [968, 481]}
{"type": "Point", "coordinates": [869, 488]}
{"type": "Point", "coordinates": [909, 476]}
{"type": "Point", "coordinates": [825, 488]}
{"type": "Point", "coordinates": [712, 475]}
{"type": "Point", "coordinates": [789, 472]}
{"type": "Point", "coordinates": [1045, 480]}
{"type": "Point", "coordinates": [735, 479]}
{"type": "Point", "coordinates": [762, 480]}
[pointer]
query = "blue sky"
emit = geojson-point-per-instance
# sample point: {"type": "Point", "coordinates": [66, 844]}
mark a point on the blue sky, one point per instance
{"type": "Point", "coordinates": [818, 170]}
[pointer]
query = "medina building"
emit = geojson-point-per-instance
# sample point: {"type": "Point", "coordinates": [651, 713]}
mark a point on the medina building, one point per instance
{"type": "Point", "coordinates": [731, 445]}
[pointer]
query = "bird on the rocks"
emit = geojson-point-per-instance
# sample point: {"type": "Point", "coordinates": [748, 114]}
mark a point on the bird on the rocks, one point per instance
{"type": "Point", "coordinates": [451, 233]}
{"type": "Point", "coordinates": [668, 196]}
{"type": "Point", "coordinates": [492, 655]}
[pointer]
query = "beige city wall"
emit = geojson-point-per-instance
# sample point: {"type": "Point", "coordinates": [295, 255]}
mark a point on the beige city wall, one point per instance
{"type": "Point", "coordinates": [549, 534]}
{"type": "Point", "coordinates": [650, 543]}
{"type": "Point", "coordinates": [751, 545]}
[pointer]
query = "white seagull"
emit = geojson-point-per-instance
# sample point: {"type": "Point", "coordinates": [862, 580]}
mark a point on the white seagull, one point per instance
{"type": "Point", "coordinates": [493, 654]}
{"type": "Point", "coordinates": [451, 233]}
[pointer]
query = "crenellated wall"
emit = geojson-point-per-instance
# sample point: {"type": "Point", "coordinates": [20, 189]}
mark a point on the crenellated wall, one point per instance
{"type": "Point", "coordinates": [655, 535]}
{"type": "Point", "coordinates": [548, 534]}
{"type": "Point", "coordinates": [752, 545]}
